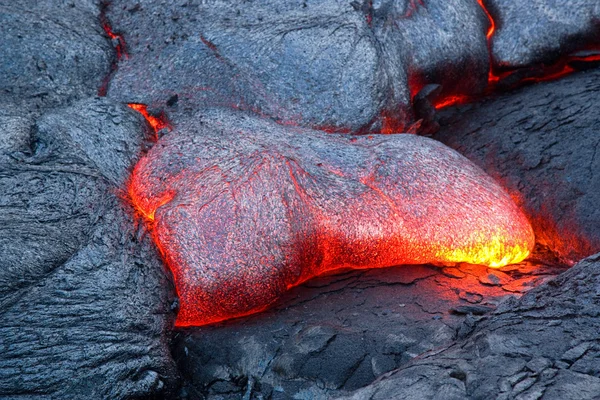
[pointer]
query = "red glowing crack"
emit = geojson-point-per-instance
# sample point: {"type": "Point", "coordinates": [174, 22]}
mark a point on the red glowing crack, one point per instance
{"type": "Point", "coordinates": [157, 123]}
{"type": "Point", "coordinates": [119, 45]}
{"type": "Point", "coordinates": [243, 209]}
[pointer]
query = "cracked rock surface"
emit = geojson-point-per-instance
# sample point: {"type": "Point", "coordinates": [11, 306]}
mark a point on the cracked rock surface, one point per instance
{"type": "Point", "coordinates": [340, 332]}
{"type": "Point", "coordinates": [544, 345]}
{"type": "Point", "coordinates": [541, 142]}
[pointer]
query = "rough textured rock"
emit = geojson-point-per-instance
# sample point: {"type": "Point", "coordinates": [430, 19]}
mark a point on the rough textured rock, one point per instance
{"type": "Point", "coordinates": [52, 52]}
{"type": "Point", "coordinates": [85, 302]}
{"type": "Point", "coordinates": [341, 332]}
{"type": "Point", "coordinates": [244, 208]}
{"type": "Point", "coordinates": [339, 65]}
{"type": "Point", "coordinates": [542, 143]}
{"type": "Point", "coordinates": [85, 306]}
{"type": "Point", "coordinates": [541, 31]}
{"type": "Point", "coordinates": [544, 345]}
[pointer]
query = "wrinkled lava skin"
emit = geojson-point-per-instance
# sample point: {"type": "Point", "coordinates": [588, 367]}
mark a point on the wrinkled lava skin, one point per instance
{"type": "Point", "coordinates": [243, 209]}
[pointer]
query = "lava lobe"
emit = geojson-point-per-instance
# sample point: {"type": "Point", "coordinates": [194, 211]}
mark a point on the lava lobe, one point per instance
{"type": "Point", "coordinates": [242, 209]}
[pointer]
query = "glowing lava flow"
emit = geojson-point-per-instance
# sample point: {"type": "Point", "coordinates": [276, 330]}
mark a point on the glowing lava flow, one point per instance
{"type": "Point", "coordinates": [242, 209]}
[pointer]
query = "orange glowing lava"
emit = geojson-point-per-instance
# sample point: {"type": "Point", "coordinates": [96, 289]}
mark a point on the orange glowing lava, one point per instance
{"type": "Point", "coordinates": [157, 123]}
{"type": "Point", "coordinates": [451, 100]}
{"type": "Point", "coordinates": [243, 212]}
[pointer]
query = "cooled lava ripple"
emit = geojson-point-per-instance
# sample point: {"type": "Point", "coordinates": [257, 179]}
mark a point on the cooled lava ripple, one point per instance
{"type": "Point", "coordinates": [242, 209]}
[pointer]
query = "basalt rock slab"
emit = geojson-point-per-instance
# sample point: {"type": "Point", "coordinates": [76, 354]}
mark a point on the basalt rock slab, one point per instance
{"type": "Point", "coordinates": [341, 332]}
{"type": "Point", "coordinates": [244, 208]}
{"type": "Point", "coordinates": [543, 345]}
{"type": "Point", "coordinates": [542, 143]}
{"type": "Point", "coordinates": [337, 65]}
{"type": "Point", "coordinates": [53, 52]}
{"type": "Point", "coordinates": [85, 301]}
{"type": "Point", "coordinates": [541, 31]}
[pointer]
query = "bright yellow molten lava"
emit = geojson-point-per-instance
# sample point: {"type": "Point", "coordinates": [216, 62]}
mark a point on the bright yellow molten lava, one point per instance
{"type": "Point", "coordinates": [493, 252]}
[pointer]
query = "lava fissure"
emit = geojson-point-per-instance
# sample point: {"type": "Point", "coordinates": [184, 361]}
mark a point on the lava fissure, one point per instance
{"type": "Point", "coordinates": [119, 45]}
{"type": "Point", "coordinates": [526, 75]}
{"type": "Point", "coordinates": [157, 123]}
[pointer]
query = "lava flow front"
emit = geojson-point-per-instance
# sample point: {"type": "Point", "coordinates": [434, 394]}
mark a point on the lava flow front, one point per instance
{"type": "Point", "coordinates": [243, 209]}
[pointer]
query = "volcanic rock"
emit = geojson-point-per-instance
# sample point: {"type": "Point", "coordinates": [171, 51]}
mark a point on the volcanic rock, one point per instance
{"type": "Point", "coordinates": [541, 31]}
{"type": "Point", "coordinates": [341, 332]}
{"type": "Point", "coordinates": [335, 64]}
{"type": "Point", "coordinates": [53, 52]}
{"type": "Point", "coordinates": [541, 142]}
{"type": "Point", "coordinates": [544, 345]}
{"type": "Point", "coordinates": [85, 301]}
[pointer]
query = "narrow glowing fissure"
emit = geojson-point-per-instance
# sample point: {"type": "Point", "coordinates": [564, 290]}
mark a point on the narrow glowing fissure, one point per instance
{"type": "Point", "coordinates": [156, 122]}
{"type": "Point", "coordinates": [119, 45]}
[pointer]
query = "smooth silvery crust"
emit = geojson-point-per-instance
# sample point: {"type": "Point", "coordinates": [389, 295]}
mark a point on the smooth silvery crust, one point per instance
{"type": "Point", "coordinates": [338, 65]}
{"type": "Point", "coordinates": [544, 345]}
{"type": "Point", "coordinates": [542, 143]}
{"type": "Point", "coordinates": [541, 31]}
{"type": "Point", "coordinates": [244, 208]}
{"type": "Point", "coordinates": [52, 52]}
{"type": "Point", "coordinates": [85, 300]}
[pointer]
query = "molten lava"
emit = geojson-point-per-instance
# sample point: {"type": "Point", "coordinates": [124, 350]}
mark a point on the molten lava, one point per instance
{"type": "Point", "coordinates": [242, 209]}
{"type": "Point", "coordinates": [157, 123]}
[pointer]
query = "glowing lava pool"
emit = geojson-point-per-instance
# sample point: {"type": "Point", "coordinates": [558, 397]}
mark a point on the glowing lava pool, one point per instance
{"type": "Point", "coordinates": [243, 209]}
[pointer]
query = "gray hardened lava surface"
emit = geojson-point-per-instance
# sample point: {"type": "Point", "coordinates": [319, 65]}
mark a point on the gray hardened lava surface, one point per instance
{"type": "Point", "coordinates": [87, 305]}
{"type": "Point", "coordinates": [540, 31]}
{"type": "Point", "coordinates": [340, 332]}
{"type": "Point", "coordinates": [53, 52]}
{"type": "Point", "coordinates": [543, 345]}
{"type": "Point", "coordinates": [337, 65]}
{"type": "Point", "coordinates": [85, 300]}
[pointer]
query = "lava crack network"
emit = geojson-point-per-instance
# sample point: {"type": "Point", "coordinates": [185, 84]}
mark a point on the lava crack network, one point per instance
{"type": "Point", "coordinates": [243, 209]}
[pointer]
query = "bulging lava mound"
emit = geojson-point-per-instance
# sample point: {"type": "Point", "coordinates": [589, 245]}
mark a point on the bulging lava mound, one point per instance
{"type": "Point", "coordinates": [243, 209]}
